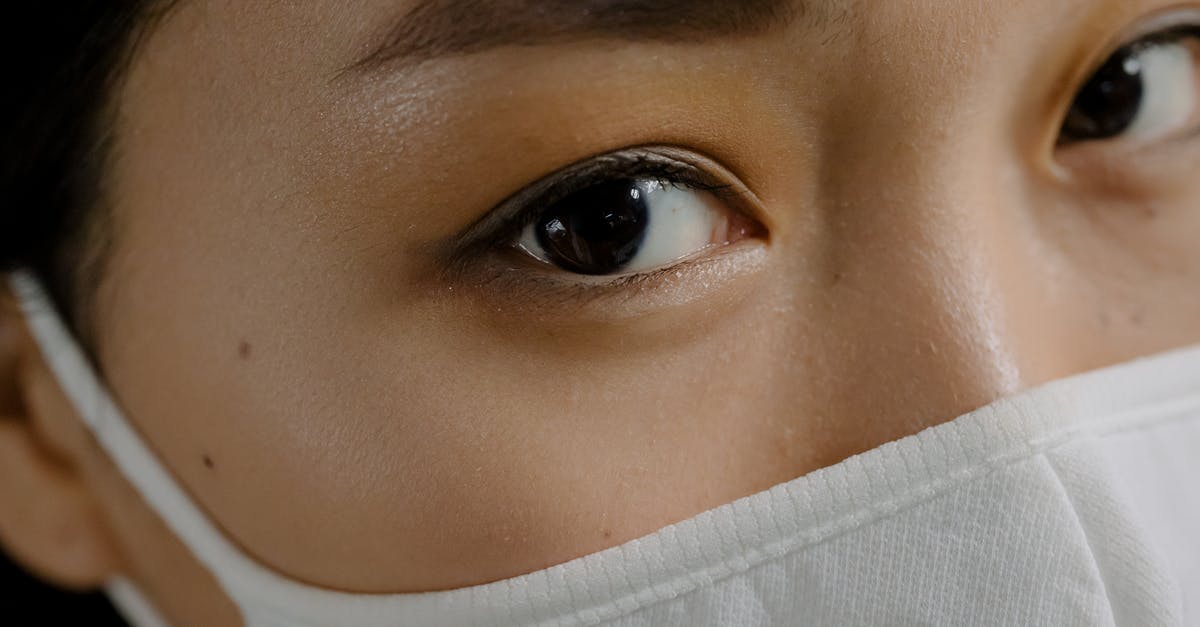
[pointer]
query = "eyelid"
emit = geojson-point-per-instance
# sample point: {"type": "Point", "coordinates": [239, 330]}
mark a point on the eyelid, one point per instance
{"type": "Point", "coordinates": [1160, 27]}
{"type": "Point", "coordinates": [1163, 27]}
{"type": "Point", "coordinates": [705, 278]}
{"type": "Point", "coordinates": [672, 166]}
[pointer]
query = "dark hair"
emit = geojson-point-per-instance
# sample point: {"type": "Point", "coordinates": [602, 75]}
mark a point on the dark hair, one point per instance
{"type": "Point", "coordinates": [64, 65]}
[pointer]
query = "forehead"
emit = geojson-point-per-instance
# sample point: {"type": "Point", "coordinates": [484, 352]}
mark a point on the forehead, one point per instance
{"type": "Point", "coordinates": [429, 27]}
{"type": "Point", "coordinates": [292, 49]}
{"type": "Point", "coordinates": [224, 88]}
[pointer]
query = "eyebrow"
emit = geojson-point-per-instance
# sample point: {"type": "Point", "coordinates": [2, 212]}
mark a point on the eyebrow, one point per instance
{"type": "Point", "coordinates": [442, 28]}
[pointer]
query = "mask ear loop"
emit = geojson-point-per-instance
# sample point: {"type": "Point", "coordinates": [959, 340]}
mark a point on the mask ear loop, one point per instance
{"type": "Point", "coordinates": [267, 598]}
{"type": "Point", "coordinates": [262, 596]}
{"type": "Point", "coordinates": [131, 604]}
{"type": "Point", "coordinates": [133, 458]}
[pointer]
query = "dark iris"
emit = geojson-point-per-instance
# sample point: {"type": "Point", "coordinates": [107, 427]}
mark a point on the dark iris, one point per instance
{"type": "Point", "coordinates": [1110, 102]}
{"type": "Point", "coordinates": [597, 230]}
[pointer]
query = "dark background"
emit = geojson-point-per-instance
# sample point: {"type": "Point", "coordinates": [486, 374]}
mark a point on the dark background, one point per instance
{"type": "Point", "coordinates": [37, 40]}
{"type": "Point", "coordinates": [26, 601]}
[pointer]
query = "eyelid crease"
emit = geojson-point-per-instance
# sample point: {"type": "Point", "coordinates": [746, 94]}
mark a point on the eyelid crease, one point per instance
{"type": "Point", "coordinates": [664, 164]}
{"type": "Point", "coordinates": [1162, 37]}
{"type": "Point", "coordinates": [1166, 26]}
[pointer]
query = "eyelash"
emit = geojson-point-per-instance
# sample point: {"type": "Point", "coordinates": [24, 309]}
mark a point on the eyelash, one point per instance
{"type": "Point", "coordinates": [1169, 35]}
{"type": "Point", "coordinates": [500, 228]}
{"type": "Point", "coordinates": [1147, 40]}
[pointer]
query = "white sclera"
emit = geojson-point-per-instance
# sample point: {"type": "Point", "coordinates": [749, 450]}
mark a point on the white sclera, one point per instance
{"type": "Point", "coordinates": [1169, 75]}
{"type": "Point", "coordinates": [682, 223]}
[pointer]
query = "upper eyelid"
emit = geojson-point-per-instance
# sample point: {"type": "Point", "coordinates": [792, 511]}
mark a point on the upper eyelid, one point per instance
{"type": "Point", "coordinates": [1161, 27]}
{"type": "Point", "coordinates": [1164, 26]}
{"type": "Point", "coordinates": [1166, 36]}
{"type": "Point", "coordinates": [506, 219]}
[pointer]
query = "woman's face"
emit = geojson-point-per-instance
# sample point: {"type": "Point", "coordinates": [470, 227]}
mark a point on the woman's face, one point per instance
{"type": "Point", "coordinates": [365, 308]}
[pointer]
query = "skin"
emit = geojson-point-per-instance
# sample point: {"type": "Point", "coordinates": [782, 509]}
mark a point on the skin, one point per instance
{"type": "Point", "coordinates": [279, 322]}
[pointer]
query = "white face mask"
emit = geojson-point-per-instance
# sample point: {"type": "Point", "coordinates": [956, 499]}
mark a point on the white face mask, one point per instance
{"type": "Point", "coordinates": [1075, 503]}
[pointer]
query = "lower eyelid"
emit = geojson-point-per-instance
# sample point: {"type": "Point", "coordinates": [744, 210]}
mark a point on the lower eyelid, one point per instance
{"type": "Point", "coordinates": [512, 287]}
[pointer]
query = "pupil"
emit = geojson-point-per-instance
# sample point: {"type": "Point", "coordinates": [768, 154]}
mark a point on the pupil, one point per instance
{"type": "Point", "coordinates": [1109, 104]}
{"type": "Point", "coordinates": [597, 230]}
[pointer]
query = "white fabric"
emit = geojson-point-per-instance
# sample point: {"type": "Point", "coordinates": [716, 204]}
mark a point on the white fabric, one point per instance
{"type": "Point", "coordinates": [130, 602]}
{"type": "Point", "coordinates": [1072, 504]}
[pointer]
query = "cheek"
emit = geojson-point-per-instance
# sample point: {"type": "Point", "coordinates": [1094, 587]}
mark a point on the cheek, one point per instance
{"type": "Point", "coordinates": [436, 454]}
{"type": "Point", "coordinates": [378, 446]}
{"type": "Point", "coordinates": [1124, 232]}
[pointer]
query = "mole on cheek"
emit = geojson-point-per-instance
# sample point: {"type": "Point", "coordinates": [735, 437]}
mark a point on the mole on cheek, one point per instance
{"type": "Point", "coordinates": [208, 462]}
{"type": "Point", "coordinates": [244, 349]}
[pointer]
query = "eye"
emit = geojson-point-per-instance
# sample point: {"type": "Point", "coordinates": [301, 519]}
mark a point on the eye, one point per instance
{"type": "Point", "coordinates": [631, 225]}
{"type": "Point", "coordinates": [1145, 91]}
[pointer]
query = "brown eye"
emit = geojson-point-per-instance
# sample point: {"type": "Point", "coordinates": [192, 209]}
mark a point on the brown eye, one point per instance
{"type": "Point", "coordinates": [631, 225]}
{"type": "Point", "coordinates": [1146, 90]}
{"type": "Point", "coordinates": [598, 230]}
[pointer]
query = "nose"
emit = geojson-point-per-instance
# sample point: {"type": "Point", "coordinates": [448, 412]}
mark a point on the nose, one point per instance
{"type": "Point", "coordinates": [927, 301]}
{"type": "Point", "coordinates": [917, 305]}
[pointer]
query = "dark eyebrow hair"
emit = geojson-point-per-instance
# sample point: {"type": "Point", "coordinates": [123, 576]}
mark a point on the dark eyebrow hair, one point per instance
{"type": "Point", "coordinates": [438, 28]}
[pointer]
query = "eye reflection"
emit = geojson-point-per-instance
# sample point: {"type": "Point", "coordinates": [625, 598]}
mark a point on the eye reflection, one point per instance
{"type": "Point", "coordinates": [631, 225]}
{"type": "Point", "coordinates": [1145, 91]}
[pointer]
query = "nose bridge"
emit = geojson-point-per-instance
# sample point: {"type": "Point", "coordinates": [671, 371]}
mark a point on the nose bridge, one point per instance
{"type": "Point", "coordinates": [920, 205]}
{"type": "Point", "coordinates": [917, 300]}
